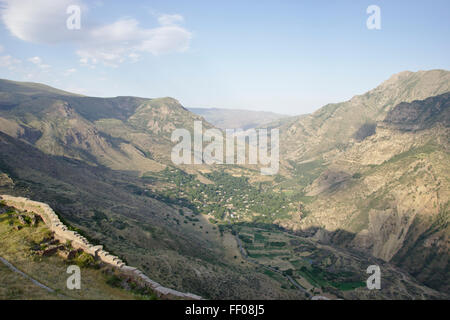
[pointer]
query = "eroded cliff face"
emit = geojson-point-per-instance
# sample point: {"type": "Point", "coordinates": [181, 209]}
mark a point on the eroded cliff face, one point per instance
{"type": "Point", "coordinates": [311, 135]}
{"type": "Point", "coordinates": [390, 192]}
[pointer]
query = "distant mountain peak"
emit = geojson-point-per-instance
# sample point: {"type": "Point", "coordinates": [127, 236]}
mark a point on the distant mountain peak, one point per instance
{"type": "Point", "coordinates": [237, 118]}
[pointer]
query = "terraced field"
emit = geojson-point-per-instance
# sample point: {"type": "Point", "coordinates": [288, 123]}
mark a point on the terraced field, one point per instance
{"type": "Point", "coordinates": [315, 268]}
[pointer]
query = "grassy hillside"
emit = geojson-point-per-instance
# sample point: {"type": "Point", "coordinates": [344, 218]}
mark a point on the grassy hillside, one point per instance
{"type": "Point", "coordinates": [31, 88]}
{"type": "Point", "coordinates": [19, 247]}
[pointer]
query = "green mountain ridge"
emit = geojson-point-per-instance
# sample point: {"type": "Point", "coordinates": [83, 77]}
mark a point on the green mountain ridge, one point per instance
{"type": "Point", "coordinates": [32, 88]}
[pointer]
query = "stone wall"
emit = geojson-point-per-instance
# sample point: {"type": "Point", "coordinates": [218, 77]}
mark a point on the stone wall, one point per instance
{"type": "Point", "coordinates": [63, 234]}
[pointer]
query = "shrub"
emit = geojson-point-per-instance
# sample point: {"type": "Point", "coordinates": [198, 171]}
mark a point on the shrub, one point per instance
{"type": "Point", "coordinates": [84, 260]}
{"type": "Point", "coordinates": [113, 281]}
{"type": "Point", "coordinates": [357, 175]}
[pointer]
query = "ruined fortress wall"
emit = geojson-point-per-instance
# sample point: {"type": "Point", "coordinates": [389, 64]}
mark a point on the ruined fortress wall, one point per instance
{"type": "Point", "coordinates": [63, 234]}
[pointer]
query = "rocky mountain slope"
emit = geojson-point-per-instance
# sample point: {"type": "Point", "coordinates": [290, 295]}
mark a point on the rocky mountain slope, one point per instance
{"type": "Point", "coordinates": [389, 191]}
{"type": "Point", "coordinates": [306, 137]}
{"type": "Point", "coordinates": [85, 157]}
{"type": "Point", "coordinates": [368, 175]}
{"type": "Point", "coordinates": [140, 226]}
{"type": "Point", "coordinates": [123, 133]}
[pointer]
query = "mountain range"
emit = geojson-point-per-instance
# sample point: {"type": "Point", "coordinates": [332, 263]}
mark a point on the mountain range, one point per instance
{"type": "Point", "coordinates": [362, 180]}
{"type": "Point", "coordinates": [236, 118]}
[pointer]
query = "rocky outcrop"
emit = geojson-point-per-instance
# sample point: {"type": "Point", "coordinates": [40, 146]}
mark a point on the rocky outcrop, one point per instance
{"type": "Point", "coordinates": [419, 115]}
{"type": "Point", "coordinates": [63, 234]}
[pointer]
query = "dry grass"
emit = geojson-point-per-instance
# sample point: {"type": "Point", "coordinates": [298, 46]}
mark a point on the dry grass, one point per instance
{"type": "Point", "coordinates": [14, 286]}
{"type": "Point", "coordinates": [15, 246]}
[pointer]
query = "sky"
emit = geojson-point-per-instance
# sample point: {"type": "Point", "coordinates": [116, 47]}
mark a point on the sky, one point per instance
{"type": "Point", "coordinates": [284, 56]}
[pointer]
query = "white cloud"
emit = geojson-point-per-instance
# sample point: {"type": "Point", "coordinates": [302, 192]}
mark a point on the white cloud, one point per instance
{"type": "Point", "coordinates": [39, 21]}
{"type": "Point", "coordinates": [70, 71]}
{"type": "Point", "coordinates": [9, 62]}
{"type": "Point", "coordinates": [35, 60]}
{"type": "Point", "coordinates": [124, 40]}
{"type": "Point", "coordinates": [170, 19]}
{"type": "Point", "coordinates": [134, 57]}
{"type": "Point", "coordinates": [38, 62]}
{"type": "Point", "coordinates": [44, 21]}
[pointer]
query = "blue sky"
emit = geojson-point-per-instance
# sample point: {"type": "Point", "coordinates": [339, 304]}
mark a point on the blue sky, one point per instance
{"type": "Point", "coordinates": [284, 56]}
